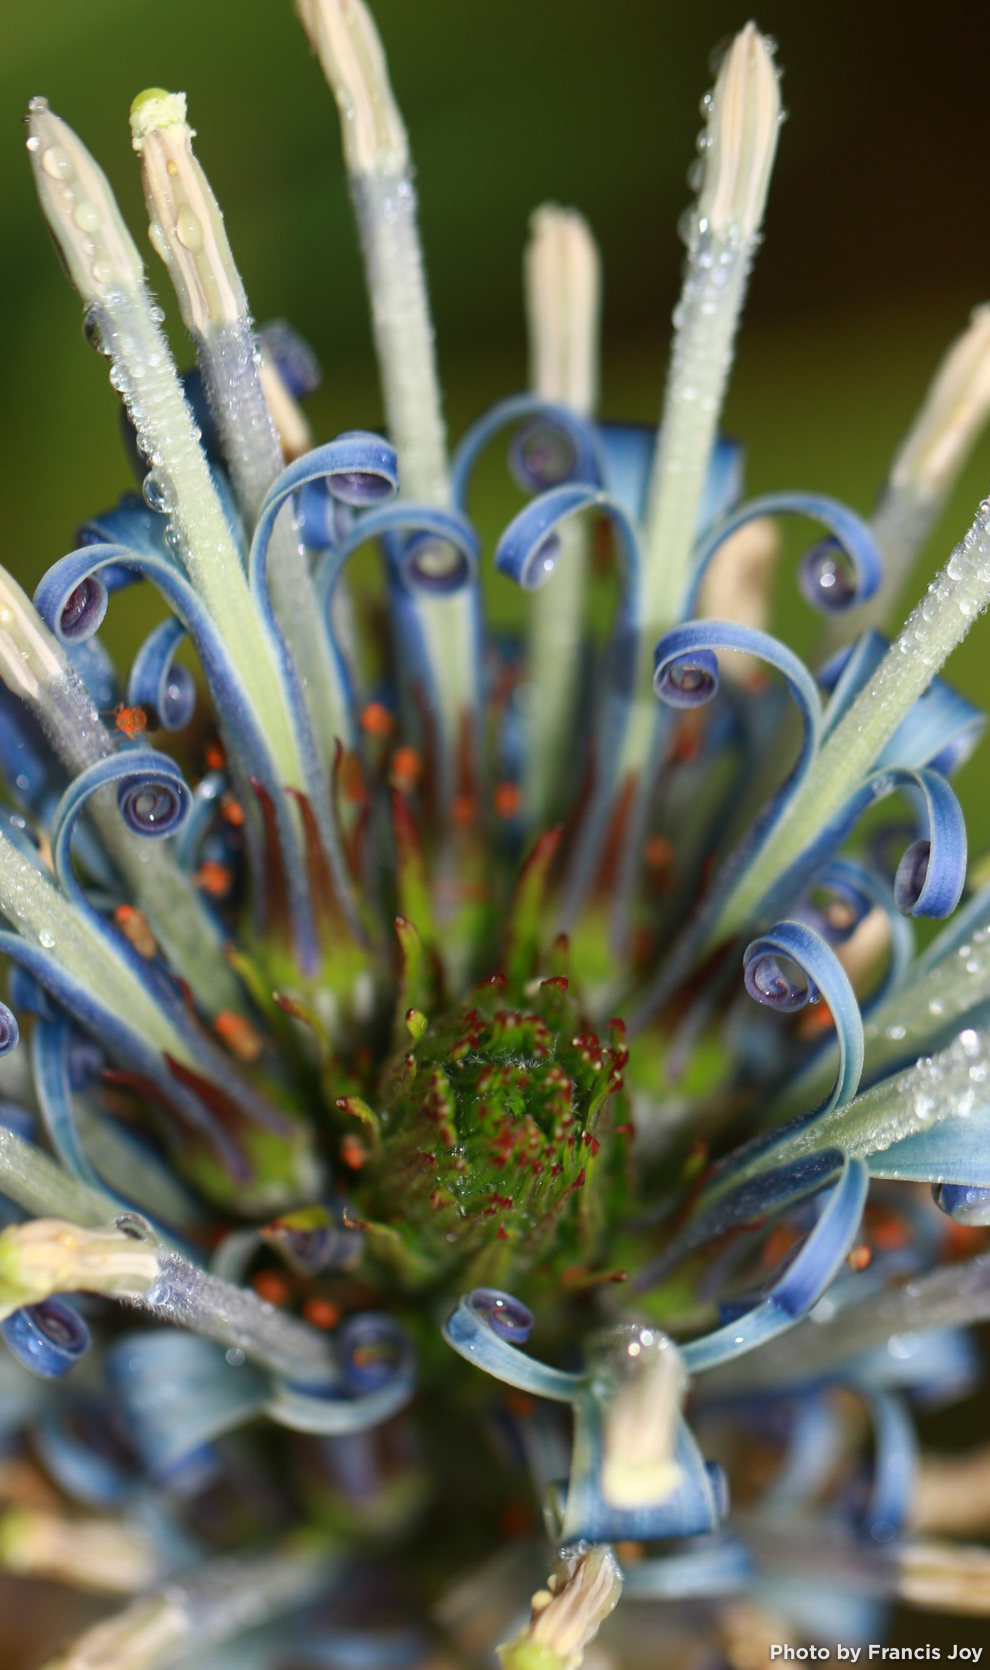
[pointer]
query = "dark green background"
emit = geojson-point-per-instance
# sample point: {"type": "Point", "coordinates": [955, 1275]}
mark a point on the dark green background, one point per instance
{"type": "Point", "coordinates": [878, 233]}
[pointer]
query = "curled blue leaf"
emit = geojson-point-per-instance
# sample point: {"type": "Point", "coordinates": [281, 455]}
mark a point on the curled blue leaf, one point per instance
{"type": "Point", "coordinates": [159, 682]}
{"type": "Point", "coordinates": [49, 1338]}
{"type": "Point", "coordinates": [770, 964]}
{"type": "Point", "coordinates": [803, 1281]}
{"type": "Point", "coordinates": [553, 437]}
{"type": "Point", "coordinates": [470, 1332]}
{"type": "Point", "coordinates": [844, 571]}
{"type": "Point", "coordinates": [683, 672]}
{"type": "Point", "coordinates": [508, 1317]}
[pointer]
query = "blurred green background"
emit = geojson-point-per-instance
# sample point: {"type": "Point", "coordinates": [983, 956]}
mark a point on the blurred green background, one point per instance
{"type": "Point", "coordinates": [878, 234]}
{"type": "Point", "coordinates": [878, 237]}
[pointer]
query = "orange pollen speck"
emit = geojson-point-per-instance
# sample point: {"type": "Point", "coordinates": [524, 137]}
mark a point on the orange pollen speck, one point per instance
{"type": "Point", "coordinates": [659, 852]}
{"type": "Point", "coordinates": [507, 800]}
{"type": "Point", "coordinates": [214, 878]}
{"type": "Point", "coordinates": [239, 1035]}
{"type": "Point", "coordinates": [133, 721]}
{"type": "Point", "coordinates": [406, 769]}
{"type": "Point", "coordinates": [231, 810]}
{"type": "Point", "coordinates": [353, 1153]}
{"type": "Point", "coordinates": [859, 1257]}
{"type": "Point", "coordinates": [214, 757]}
{"type": "Point", "coordinates": [322, 1313]}
{"type": "Point", "coordinates": [377, 720]}
{"type": "Point", "coordinates": [135, 929]}
{"type": "Point", "coordinates": [271, 1287]}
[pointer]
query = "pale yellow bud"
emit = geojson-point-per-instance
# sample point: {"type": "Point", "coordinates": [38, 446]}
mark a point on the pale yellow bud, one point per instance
{"type": "Point", "coordinates": [955, 409]}
{"type": "Point", "coordinates": [342, 33]}
{"type": "Point", "coordinates": [185, 224]}
{"type": "Point", "coordinates": [30, 658]}
{"type": "Point", "coordinates": [583, 1588]}
{"type": "Point", "coordinates": [48, 1255]}
{"type": "Point", "coordinates": [743, 123]}
{"type": "Point", "coordinates": [80, 209]}
{"type": "Point", "coordinates": [563, 304]}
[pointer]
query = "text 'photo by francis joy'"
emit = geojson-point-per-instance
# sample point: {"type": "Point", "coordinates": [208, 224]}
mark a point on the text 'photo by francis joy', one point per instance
{"type": "Point", "coordinates": [494, 835]}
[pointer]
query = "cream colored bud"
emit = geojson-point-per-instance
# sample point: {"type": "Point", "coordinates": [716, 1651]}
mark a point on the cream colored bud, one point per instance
{"type": "Point", "coordinates": [945, 1577]}
{"type": "Point", "coordinates": [30, 657]}
{"type": "Point", "coordinates": [49, 1255]}
{"type": "Point", "coordinates": [185, 224]}
{"type": "Point", "coordinates": [583, 1588]}
{"type": "Point", "coordinates": [866, 949]}
{"type": "Point", "coordinates": [79, 206]}
{"type": "Point", "coordinates": [563, 304]}
{"type": "Point", "coordinates": [737, 587]}
{"type": "Point", "coordinates": [102, 1554]}
{"type": "Point", "coordinates": [639, 1434]}
{"type": "Point", "coordinates": [743, 123]}
{"type": "Point", "coordinates": [952, 1494]}
{"type": "Point", "coordinates": [151, 1632]}
{"type": "Point", "coordinates": [342, 33]}
{"type": "Point", "coordinates": [955, 409]}
{"type": "Point", "coordinates": [294, 431]}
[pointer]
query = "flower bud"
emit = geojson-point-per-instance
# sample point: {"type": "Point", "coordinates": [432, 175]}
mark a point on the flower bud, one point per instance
{"type": "Point", "coordinates": [741, 140]}
{"type": "Point", "coordinates": [563, 302]}
{"type": "Point", "coordinates": [583, 1588]}
{"type": "Point", "coordinates": [30, 658]}
{"type": "Point", "coordinates": [344, 38]}
{"type": "Point", "coordinates": [48, 1255]}
{"type": "Point", "coordinates": [186, 227]}
{"type": "Point", "coordinates": [102, 1554]}
{"type": "Point", "coordinates": [79, 206]}
{"type": "Point", "coordinates": [955, 409]}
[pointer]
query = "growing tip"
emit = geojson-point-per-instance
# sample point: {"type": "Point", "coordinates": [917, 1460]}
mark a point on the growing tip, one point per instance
{"type": "Point", "coordinates": [583, 1588]}
{"type": "Point", "coordinates": [48, 1255]}
{"type": "Point", "coordinates": [343, 35]}
{"type": "Point", "coordinates": [955, 410]}
{"type": "Point", "coordinates": [185, 225]}
{"type": "Point", "coordinates": [74, 193]}
{"type": "Point", "coordinates": [741, 137]}
{"type": "Point", "coordinates": [563, 303]}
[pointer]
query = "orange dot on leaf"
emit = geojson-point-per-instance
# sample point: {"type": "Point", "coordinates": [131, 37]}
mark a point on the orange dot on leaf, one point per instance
{"type": "Point", "coordinates": [215, 878]}
{"type": "Point", "coordinates": [377, 720]}
{"type": "Point", "coordinates": [135, 929]}
{"type": "Point", "coordinates": [322, 1313]}
{"type": "Point", "coordinates": [406, 769]}
{"type": "Point", "coordinates": [507, 800]}
{"type": "Point", "coordinates": [231, 810]}
{"type": "Point", "coordinates": [239, 1035]}
{"type": "Point", "coordinates": [271, 1287]}
{"type": "Point", "coordinates": [353, 1153]}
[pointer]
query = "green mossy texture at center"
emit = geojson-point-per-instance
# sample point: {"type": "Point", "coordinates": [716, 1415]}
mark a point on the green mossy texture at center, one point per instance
{"type": "Point", "coordinates": [503, 1141]}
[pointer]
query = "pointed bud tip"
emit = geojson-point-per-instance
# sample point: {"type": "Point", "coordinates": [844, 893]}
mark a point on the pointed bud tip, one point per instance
{"type": "Point", "coordinates": [741, 139]}
{"type": "Point", "coordinates": [79, 206]}
{"type": "Point", "coordinates": [343, 35]}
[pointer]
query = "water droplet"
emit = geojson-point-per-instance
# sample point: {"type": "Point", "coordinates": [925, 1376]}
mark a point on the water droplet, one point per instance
{"type": "Point", "coordinates": [46, 939]}
{"type": "Point", "coordinates": [86, 216]}
{"type": "Point", "coordinates": [156, 493]}
{"type": "Point", "coordinates": [57, 163]}
{"type": "Point", "coordinates": [189, 230]}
